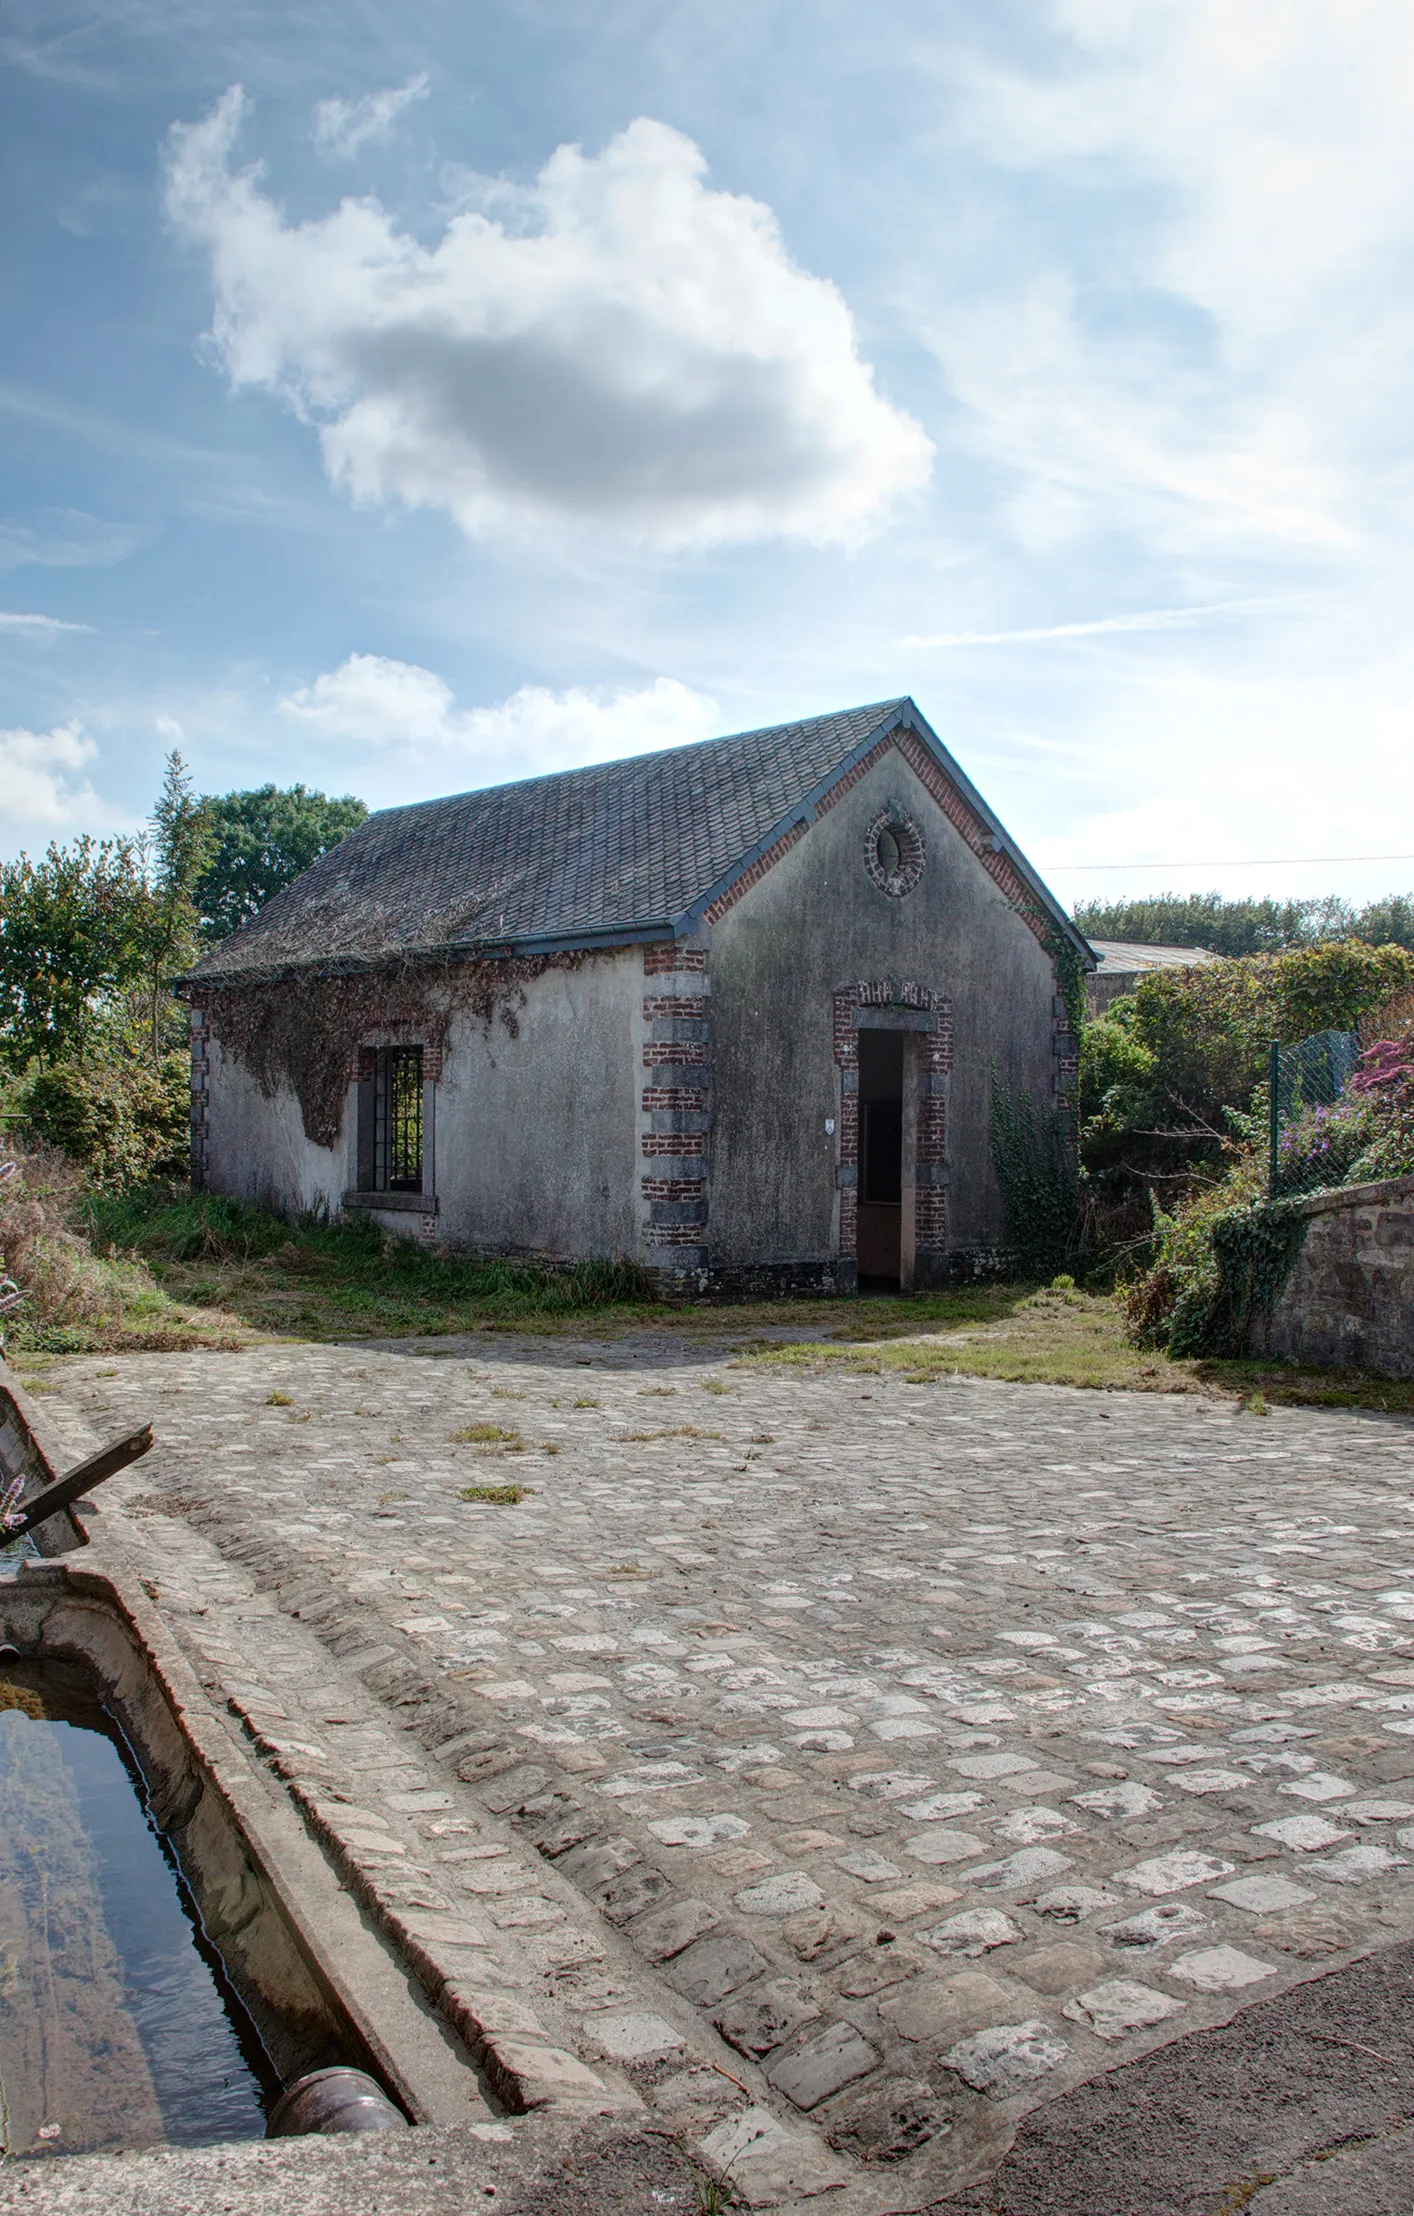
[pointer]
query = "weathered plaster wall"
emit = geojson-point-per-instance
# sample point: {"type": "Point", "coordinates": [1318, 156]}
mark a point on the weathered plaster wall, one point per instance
{"type": "Point", "coordinates": [256, 1149]}
{"type": "Point", "coordinates": [532, 1144]}
{"type": "Point", "coordinates": [537, 1135]}
{"type": "Point", "coordinates": [1350, 1298]}
{"type": "Point", "coordinates": [811, 924]}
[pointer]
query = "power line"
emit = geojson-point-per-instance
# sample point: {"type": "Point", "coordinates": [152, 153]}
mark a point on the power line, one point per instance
{"type": "Point", "coordinates": [1261, 861]}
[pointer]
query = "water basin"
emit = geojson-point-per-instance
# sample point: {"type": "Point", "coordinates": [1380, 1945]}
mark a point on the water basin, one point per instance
{"type": "Point", "coordinates": [119, 2025]}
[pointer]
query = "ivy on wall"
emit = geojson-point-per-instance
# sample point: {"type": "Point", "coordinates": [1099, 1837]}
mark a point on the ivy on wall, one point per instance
{"type": "Point", "coordinates": [305, 1031]}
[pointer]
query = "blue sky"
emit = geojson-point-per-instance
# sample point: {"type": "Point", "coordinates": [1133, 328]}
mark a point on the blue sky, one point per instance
{"type": "Point", "coordinates": [483, 389]}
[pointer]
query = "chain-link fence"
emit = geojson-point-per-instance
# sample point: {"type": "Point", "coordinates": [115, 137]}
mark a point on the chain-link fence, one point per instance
{"type": "Point", "coordinates": [1311, 1140]}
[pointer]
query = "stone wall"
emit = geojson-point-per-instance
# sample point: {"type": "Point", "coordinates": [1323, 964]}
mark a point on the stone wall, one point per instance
{"type": "Point", "coordinates": [1350, 1298]}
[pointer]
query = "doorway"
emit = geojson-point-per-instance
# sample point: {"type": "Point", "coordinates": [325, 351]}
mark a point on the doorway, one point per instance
{"type": "Point", "coordinates": [880, 1236]}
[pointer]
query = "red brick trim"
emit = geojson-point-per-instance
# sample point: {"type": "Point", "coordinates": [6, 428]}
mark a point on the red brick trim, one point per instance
{"type": "Point", "coordinates": [671, 954]}
{"type": "Point", "coordinates": [675, 1000]}
{"type": "Point", "coordinates": [653, 1143]}
{"type": "Point", "coordinates": [757, 871]}
{"type": "Point", "coordinates": [851, 777]}
{"type": "Point", "coordinates": [934, 1059]}
{"type": "Point", "coordinates": [934, 778]}
{"type": "Point", "coordinates": [966, 821]}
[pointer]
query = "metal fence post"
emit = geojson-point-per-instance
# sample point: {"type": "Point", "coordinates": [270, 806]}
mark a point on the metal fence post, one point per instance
{"type": "Point", "coordinates": [1273, 1113]}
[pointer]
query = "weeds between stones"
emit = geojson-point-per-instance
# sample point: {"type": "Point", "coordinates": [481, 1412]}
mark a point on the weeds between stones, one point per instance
{"type": "Point", "coordinates": [495, 1496]}
{"type": "Point", "coordinates": [487, 1435]}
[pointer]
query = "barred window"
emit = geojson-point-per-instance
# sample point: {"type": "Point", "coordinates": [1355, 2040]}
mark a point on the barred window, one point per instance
{"type": "Point", "coordinates": [390, 1120]}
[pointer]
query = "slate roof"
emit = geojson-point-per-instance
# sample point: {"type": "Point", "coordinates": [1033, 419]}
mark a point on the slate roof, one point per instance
{"type": "Point", "coordinates": [620, 850]}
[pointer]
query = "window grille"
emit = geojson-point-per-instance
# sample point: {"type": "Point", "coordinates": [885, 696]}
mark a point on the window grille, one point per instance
{"type": "Point", "coordinates": [392, 1163]}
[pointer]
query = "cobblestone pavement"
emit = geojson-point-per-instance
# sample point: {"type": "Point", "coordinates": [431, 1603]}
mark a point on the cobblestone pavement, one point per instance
{"type": "Point", "coordinates": [930, 1748]}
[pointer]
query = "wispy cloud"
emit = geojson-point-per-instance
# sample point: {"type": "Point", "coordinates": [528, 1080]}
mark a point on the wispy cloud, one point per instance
{"type": "Point", "coordinates": [341, 127]}
{"type": "Point", "coordinates": [42, 626]}
{"type": "Point", "coordinates": [1148, 619]}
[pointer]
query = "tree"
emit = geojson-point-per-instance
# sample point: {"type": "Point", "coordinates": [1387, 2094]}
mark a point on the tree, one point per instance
{"type": "Point", "coordinates": [1237, 927]}
{"type": "Point", "coordinates": [262, 841]}
{"type": "Point", "coordinates": [181, 836]}
{"type": "Point", "coordinates": [73, 934]}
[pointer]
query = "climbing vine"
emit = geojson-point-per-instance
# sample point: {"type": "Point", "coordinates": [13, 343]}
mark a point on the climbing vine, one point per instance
{"type": "Point", "coordinates": [1218, 1267]}
{"type": "Point", "coordinates": [1066, 960]}
{"type": "Point", "coordinates": [305, 1031]}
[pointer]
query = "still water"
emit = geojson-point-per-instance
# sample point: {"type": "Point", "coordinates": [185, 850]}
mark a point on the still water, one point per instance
{"type": "Point", "coordinates": [118, 2025]}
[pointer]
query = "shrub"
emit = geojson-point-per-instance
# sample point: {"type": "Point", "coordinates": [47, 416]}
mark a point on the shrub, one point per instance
{"type": "Point", "coordinates": [122, 1121]}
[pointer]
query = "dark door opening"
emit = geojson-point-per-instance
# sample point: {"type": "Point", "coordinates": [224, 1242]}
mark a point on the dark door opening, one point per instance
{"type": "Point", "coordinates": [880, 1159]}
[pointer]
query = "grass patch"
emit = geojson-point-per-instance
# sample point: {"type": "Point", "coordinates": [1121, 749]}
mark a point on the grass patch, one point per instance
{"type": "Point", "coordinates": [313, 1279]}
{"type": "Point", "coordinates": [280, 1400]}
{"type": "Point", "coordinates": [673, 1431]}
{"type": "Point", "coordinates": [1061, 1336]}
{"type": "Point", "coordinates": [495, 1496]}
{"type": "Point", "coordinates": [486, 1435]}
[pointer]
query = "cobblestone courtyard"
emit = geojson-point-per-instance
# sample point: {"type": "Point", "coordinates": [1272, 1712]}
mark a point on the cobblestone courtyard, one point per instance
{"type": "Point", "coordinates": [889, 1757]}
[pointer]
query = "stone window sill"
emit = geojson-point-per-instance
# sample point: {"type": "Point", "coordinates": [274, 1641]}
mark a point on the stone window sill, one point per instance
{"type": "Point", "coordinates": [413, 1204]}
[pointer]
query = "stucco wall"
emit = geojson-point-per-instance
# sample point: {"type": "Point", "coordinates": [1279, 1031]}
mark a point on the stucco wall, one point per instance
{"type": "Point", "coordinates": [256, 1149]}
{"type": "Point", "coordinates": [534, 1139]}
{"type": "Point", "coordinates": [537, 1136]}
{"type": "Point", "coordinates": [813, 923]}
{"type": "Point", "coordinates": [1350, 1297]}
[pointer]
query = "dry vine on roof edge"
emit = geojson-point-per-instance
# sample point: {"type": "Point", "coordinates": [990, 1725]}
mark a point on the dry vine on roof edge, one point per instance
{"type": "Point", "coordinates": [306, 1031]}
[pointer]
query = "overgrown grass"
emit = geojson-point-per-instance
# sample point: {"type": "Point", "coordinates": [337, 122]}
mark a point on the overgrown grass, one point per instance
{"type": "Point", "coordinates": [314, 1279]}
{"type": "Point", "coordinates": [82, 1294]}
{"type": "Point", "coordinates": [1061, 1336]}
{"type": "Point", "coordinates": [163, 1268]}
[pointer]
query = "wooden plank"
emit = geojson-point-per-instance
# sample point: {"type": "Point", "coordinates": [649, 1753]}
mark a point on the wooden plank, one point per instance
{"type": "Point", "coordinates": [68, 1489]}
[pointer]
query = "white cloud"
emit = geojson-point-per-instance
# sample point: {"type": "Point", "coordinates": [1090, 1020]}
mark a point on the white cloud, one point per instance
{"type": "Point", "coordinates": [41, 773]}
{"type": "Point", "coordinates": [627, 349]}
{"type": "Point", "coordinates": [42, 626]}
{"type": "Point", "coordinates": [341, 127]}
{"type": "Point", "coordinates": [373, 701]}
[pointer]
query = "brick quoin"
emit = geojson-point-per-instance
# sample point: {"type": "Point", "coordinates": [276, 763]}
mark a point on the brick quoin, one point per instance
{"type": "Point", "coordinates": [664, 1098]}
{"type": "Point", "coordinates": [658, 960]}
{"type": "Point", "coordinates": [673, 1188]}
{"type": "Point", "coordinates": [660, 1053]}
{"type": "Point", "coordinates": [200, 1138]}
{"type": "Point", "coordinates": [674, 1142]}
{"type": "Point", "coordinates": [665, 1007]}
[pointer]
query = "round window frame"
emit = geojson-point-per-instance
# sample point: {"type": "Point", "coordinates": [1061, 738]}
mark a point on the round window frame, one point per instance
{"type": "Point", "coordinates": [913, 851]}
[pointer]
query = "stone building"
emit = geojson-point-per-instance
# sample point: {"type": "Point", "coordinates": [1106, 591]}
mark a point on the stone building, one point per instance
{"type": "Point", "coordinates": [731, 1010]}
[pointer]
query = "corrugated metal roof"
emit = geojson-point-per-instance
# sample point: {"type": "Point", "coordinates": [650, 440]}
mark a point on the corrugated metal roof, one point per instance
{"type": "Point", "coordinates": [1123, 957]}
{"type": "Point", "coordinates": [615, 849]}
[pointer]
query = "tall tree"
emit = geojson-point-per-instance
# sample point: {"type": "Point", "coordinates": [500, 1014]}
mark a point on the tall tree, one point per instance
{"type": "Point", "coordinates": [181, 837]}
{"type": "Point", "coordinates": [261, 841]}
